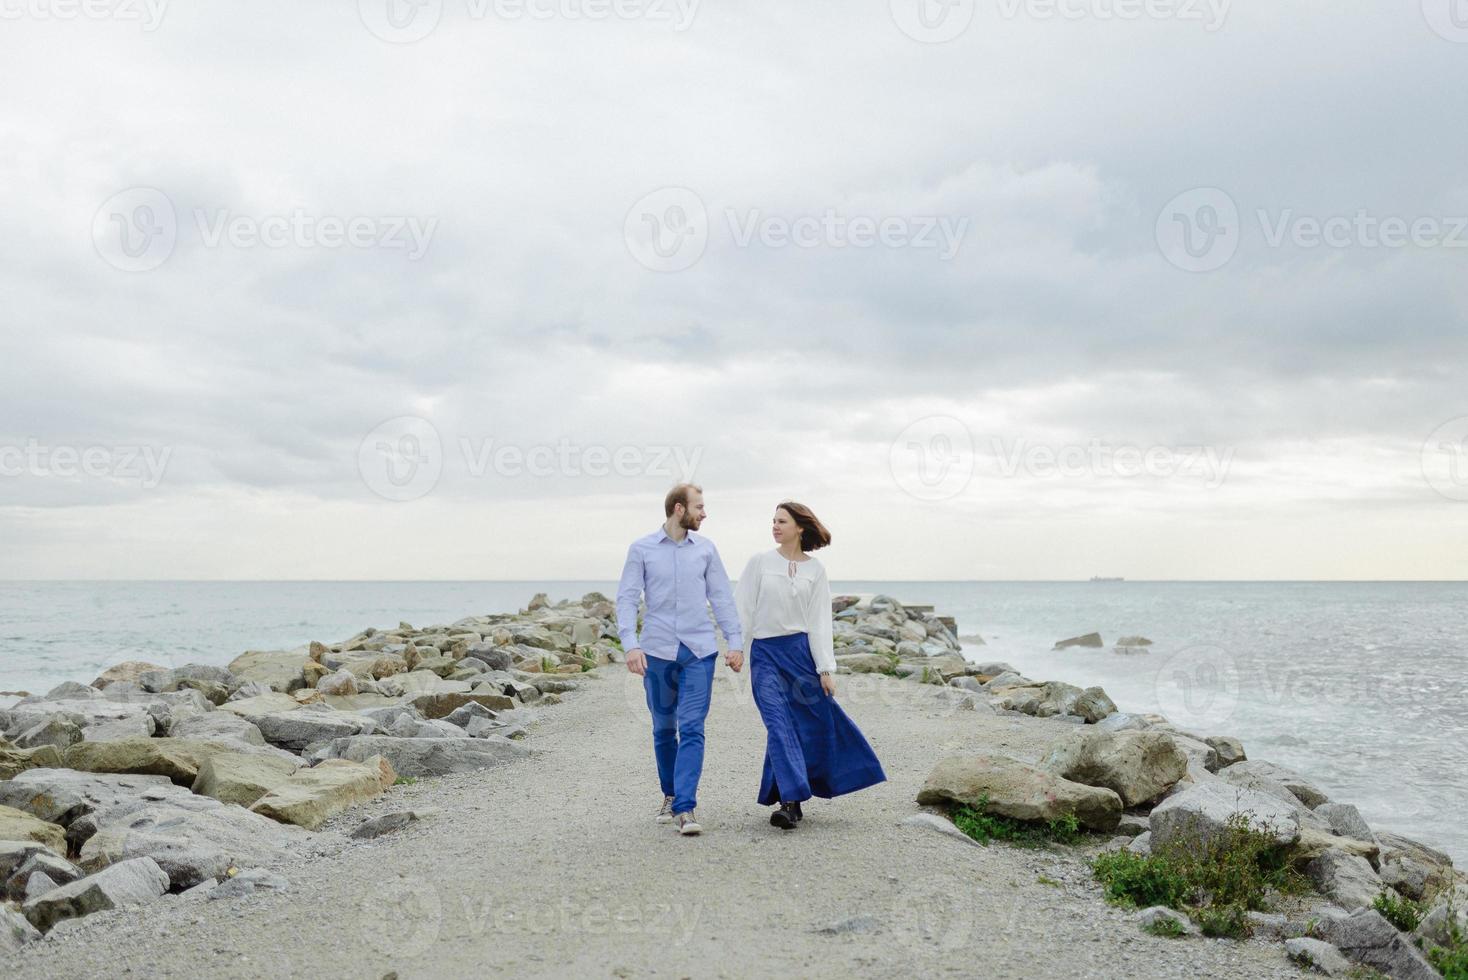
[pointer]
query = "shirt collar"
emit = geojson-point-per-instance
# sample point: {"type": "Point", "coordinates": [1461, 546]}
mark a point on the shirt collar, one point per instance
{"type": "Point", "coordinates": [663, 536]}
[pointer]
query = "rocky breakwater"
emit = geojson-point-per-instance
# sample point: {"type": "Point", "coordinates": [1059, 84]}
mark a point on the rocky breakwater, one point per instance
{"type": "Point", "coordinates": [200, 779]}
{"type": "Point", "coordinates": [1362, 899]}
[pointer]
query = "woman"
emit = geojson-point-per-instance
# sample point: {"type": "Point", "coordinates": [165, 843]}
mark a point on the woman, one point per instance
{"type": "Point", "coordinates": [784, 600]}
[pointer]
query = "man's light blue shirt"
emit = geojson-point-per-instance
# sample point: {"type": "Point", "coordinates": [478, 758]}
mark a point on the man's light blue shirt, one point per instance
{"type": "Point", "coordinates": [680, 580]}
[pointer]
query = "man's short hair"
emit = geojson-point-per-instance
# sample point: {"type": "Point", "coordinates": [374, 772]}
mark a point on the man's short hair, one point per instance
{"type": "Point", "coordinates": [679, 495]}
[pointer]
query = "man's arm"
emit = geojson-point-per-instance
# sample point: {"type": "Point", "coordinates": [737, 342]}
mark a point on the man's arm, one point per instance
{"type": "Point", "coordinates": [721, 597]}
{"type": "Point", "coordinates": [629, 593]}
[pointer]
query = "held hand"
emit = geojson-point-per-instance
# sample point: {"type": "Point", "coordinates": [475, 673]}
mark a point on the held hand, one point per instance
{"type": "Point", "coordinates": [637, 662]}
{"type": "Point", "coordinates": [735, 660]}
{"type": "Point", "coordinates": [828, 684]}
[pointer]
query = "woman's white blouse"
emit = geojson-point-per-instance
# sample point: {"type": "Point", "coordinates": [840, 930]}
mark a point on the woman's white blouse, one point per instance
{"type": "Point", "coordinates": [773, 602]}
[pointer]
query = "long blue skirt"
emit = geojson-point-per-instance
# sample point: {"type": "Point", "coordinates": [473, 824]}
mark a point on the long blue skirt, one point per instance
{"type": "Point", "coordinates": [812, 748]}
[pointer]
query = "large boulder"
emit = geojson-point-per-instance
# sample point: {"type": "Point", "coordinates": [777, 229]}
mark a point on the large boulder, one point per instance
{"type": "Point", "coordinates": [14, 761]}
{"type": "Point", "coordinates": [242, 779]}
{"type": "Point", "coordinates": [128, 670]}
{"type": "Point", "coordinates": [17, 825]}
{"type": "Point", "coordinates": [177, 758]}
{"type": "Point", "coordinates": [63, 796]}
{"type": "Point", "coordinates": [14, 853]}
{"type": "Point", "coordinates": [217, 726]}
{"type": "Point", "coordinates": [1413, 868]}
{"type": "Point", "coordinates": [1252, 773]}
{"type": "Point", "coordinates": [1346, 879]}
{"type": "Point", "coordinates": [1092, 640]}
{"type": "Point", "coordinates": [15, 930]}
{"type": "Point", "coordinates": [430, 756]}
{"type": "Point", "coordinates": [1093, 705]}
{"type": "Point", "coordinates": [1138, 766]}
{"type": "Point", "coordinates": [57, 731]}
{"type": "Point", "coordinates": [1202, 812]}
{"type": "Point", "coordinates": [193, 838]}
{"type": "Point", "coordinates": [280, 670]}
{"type": "Point", "coordinates": [443, 703]}
{"type": "Point", "coordinates": [133, 882]}
{"type": "Point", "coordinates": [1019, 790]}
{"type": "Point", "coordinates": [311, 724]}
{"type": "Point", "coordinates": [309, 797]}
{"type": "Point", "coordinates": [1346, 820]}
{"type": "Point", "coordinates": [54, 869]}
{"type": "Point", "coordinates": [1318, 955]}
{"type": "Point", "coordinates": [1367, 938]}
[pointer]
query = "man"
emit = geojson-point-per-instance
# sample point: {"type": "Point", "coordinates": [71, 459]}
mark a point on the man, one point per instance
{"type": "Point", "coordinates": [681, 575]}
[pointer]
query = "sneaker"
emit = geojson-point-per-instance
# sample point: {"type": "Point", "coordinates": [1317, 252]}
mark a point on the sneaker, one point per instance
{"type": "Point", "coordinates": [687, 824]}
{"type": "Point", "coordinates": [784, 818]}
{"type": "Point", "coordinates": [665, 815]}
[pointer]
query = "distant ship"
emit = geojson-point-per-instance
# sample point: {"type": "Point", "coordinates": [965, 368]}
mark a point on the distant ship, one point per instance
{"type": "Point", "coordinates": [1100, 578]}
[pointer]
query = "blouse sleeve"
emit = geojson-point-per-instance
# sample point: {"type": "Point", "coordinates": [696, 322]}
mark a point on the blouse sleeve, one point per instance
{"type": "Point", "coordinates": [746, 597]}
{"type": "Point", "coordinates": [818, 616]}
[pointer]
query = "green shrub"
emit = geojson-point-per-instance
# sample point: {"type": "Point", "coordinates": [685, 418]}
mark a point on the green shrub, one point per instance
{"type": "Point", "coordinates": [1403, 913]}
{"type": "Point", "coordinates": [1451, 960]}
{"type": "Point", "coordinates": [1167, 928]}
{"type": "Point", "coordinates": [1215, 878]}
{"type": "Point", "coordinates": [985, 827]}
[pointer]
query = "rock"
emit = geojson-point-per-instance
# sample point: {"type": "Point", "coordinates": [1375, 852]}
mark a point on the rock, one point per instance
{"type": "Point", "coordinates": [463, 714]}
{"type": "Point", "coordinates": [62, 796]}
{"type": "Point", "coordinates": [1019, 790]}
{"type": "Point", "coordinates": [441, 704]}
{"type": "Point", "coordinates": [1266, 925]}
{"type": "Point", "coordinates": [1155, 917]}
{"type": "Point", "coordinates": [1345, 879]}
{"type": "Point", "coordinates": [137, 726]}
{"type": "Point", "coordinates": [15, 853]}
{"type": "Point", "coordinates": [1448, 913]}
{"type": "Point", "coordinates": [248, 883]}
{"type": "Point", "coordinates": [310, 796]}
{"type": "Point", "coordinates": [128, 670]}
{"type": "Point", "coordinates": [343, 682]}
{"type": "Point", "coordinates": [178, 759]}
{"type": "Point", "coordinates": [1345, 820]}
{"type": "Point", "coordinates": [1203, 810]}
{"type": "Point", "coordinates": [14, 761]}
{"type": "Point", "coordinates": [84, 713]}
{"type": "Point", "coordinates": [241, 779]}
{"type": "Point", "coordinates": [1409, 877]}
{"type": "Point", "coordinates": [1138, 766]}
{"type": "Point", "coordinates": [54, 868]}
{"type": "Point", "coordinates": [1133, 641]}
{"type": "Point", "coordinates": [1314, 842]}
{"type": "Point", "coordinates": [214, 692]}
{"type": "Point", "coordinates": [219, 726]}
{"type": "Point", "coordinates": [1094, 705]}
{"type": "Point", "coordinates": [494, 658]}
{"type": "Point", "coordinates": [19, 826]}
{"type": "Point", "coordinates": [256, 706]}
{"type": "Point", "coordinates": [1088, 640]}
{"type": "Point", "coordinates": [932, 821]}
{"type": "Point", "coordinates": [388, 823]}
{"type": "Point", "coordinates": [299, 729]}
{"type": "Point", "coordinates": [1299, 787]}
{"type": "Point", "coordinates": [1322, 956]}
{"type": "Point", "coordinates": [1141, 844]}
{"type": "Point", "coordinates": [1367, 938]}
{"type": "Point", "coordinates": [418, 757]}
{"type": "Point", "coordinates": [1228, 750]}
{"type": "Point", "coordinates": [35, 886]}
{"type": "Point", "coordinates": [971, 684]}
{"type": "Point", "coordinates": [280, 670]}
{"type": "Point", "coordinates": [865, 663]}
{"type": "Point", "coordinates": [15, 930]}
{"type": "Point", "coordinates": [1121, 722]}
{"type": "Point", "coordinates": [55, 731]}
{"type": "Point", "coordinates": [133, 882]}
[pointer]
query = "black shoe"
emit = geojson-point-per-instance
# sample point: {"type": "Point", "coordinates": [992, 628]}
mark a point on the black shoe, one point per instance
{"type": "Point", "coordinates": [785, 817]}
{"type": "Point", "coordinates": [798, 815]}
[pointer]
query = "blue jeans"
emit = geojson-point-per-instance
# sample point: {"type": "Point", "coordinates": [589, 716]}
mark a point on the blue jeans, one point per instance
{"type": "Point", "coordinates": [678, 697]}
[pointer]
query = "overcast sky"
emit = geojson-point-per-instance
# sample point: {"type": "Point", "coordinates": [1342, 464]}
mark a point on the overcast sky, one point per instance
{"type": "Point", "coordinates": [1014, 290]}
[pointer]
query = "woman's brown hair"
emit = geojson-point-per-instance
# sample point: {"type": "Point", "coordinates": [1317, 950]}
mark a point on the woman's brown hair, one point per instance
{"type": "Point", "coordinates": [813, 533]}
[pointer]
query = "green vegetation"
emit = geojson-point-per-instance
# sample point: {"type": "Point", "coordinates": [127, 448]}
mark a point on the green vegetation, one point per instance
{"type": "Point", "coordinates": [404, 781]}
{"type": "Point", "coordinates": [985, 827]}
{"type": "Point", "coordinates": [1403, 913]}
{"type": "Point", "coordinates": [1167, 928]}
{"type": "Point", "coordinates": [1216, 879]}
{"type": "Point", "coordinates": [1451, 960]}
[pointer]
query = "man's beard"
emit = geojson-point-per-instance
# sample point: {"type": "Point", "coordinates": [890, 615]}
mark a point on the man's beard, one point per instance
{"type": "Point", "coordinates": [690, 523]}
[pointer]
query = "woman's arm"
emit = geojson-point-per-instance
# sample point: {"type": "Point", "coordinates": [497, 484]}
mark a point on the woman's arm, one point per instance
{"type": "Point", "coordinates": [818, 619]}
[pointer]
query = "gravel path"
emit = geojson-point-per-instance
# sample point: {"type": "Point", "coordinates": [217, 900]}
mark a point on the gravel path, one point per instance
{"type": "Point", "coordinates": [554, 867]}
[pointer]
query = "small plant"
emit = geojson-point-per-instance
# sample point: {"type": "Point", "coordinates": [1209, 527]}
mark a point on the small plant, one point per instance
{"type": "Point", "coordinates": [1403, 913]}
{"type": "Point", "coordinates": [985, 827]}
{"type": "Point", "coordinates": [1451, 960]}
{"type": "Point", "coordinates": [1216, 878]}
{"type": "Point", "coordinates": [547, 665]}
{"type": "Point", "coordinates": [1167, 928]}
{"type": "Point", "coordinates": [1044, 880]}
{"type": "Point", "coordinates": [404, 781]}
